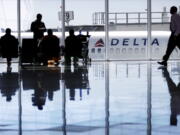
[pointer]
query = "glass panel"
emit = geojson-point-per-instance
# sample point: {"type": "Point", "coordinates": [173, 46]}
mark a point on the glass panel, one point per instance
{"type": "Point", "coordinates": [88, 22]}
{"type": "Point", "coordinates": [8, 16]}
{"type": "Point", "coordinates": [166, 113]}
{"type": "Point", "coordinates": [85, 98]}
{"type": "Point", "coordinates": [9, 108]}
{"type": "Point", "coordinates": [127, 29]}
{"type": "Point", "coordinates": [42, 107]}
{"type": "Point", "coordinates": [31, 51]}
{"type": "Point", "coordinates": [161, 15]}
{"type": "Point", "coordinates": [128, 97]}
{"type": "Point", "coordinates": [30, 8]}
{"type": "Point", "coordinates": [9, 85]}
{"type": "Point", "coordinates": [85, 109]}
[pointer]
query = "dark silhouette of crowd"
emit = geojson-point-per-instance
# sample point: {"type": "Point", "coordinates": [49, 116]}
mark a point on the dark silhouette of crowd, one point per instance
{"type": "Point", "coordinates": [43, 48]}
{"type": "Point", "coordinates": [40, 50]}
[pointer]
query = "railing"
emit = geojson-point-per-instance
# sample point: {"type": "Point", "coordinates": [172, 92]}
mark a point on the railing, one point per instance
{"type": "Point", "coordinates": [130, 17]}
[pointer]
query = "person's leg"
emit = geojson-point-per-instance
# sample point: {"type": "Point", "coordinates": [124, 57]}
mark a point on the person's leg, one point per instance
{"type": "Point", "coordinates": [8, 62]}
{"type": "Point", "coordinates": [67, 59]}
{"type": "Point", "coordinates": [75, 59]}
{"type": "Point", "coordinates": [178, 41]}
{"type": "Point", "coordinates": [170, 47]}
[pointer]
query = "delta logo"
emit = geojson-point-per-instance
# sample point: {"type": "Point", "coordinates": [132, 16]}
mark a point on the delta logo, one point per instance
{"type": "Point", "coordinates": [99, 43]}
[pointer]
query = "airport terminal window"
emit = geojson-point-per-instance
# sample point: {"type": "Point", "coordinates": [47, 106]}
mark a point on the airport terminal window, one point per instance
{"type": "Point", "coordinates": [157, 50]}
{"type": "Point", "coordinates": [111, 50]}
{"type": "Point", "coordinates": [142, 50]}
{"type": "Point", "coordinates": [93, 50]}
{"type": "Point", "coordinates": [115, 19]}
{"type": "Point", "coordinates": [103, 50]}
{"type": "Point", "coordinates": [130, 50]}
{"type": "Point", "coordinates": [124, 19]}
{"type": "Point", "coordinates": [117, 50]}
{"type": "Point", "coordinates": [136, 50]}
{"type": "Point", "coordinates": [123, 50]}
{"type": "Point", "coordinates": [99, 50]}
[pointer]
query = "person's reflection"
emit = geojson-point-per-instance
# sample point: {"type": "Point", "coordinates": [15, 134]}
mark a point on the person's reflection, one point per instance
{"type": "Point", "coordinates": [39, 96]}
{"type": "Point", "coordinates": [77, 79]}
{"type": "Point", "coordinates": [9, 84]}
{"type": "Point", "coordinates": [43, 82]}
{"type": "Point", "coordinates": [174, 91]}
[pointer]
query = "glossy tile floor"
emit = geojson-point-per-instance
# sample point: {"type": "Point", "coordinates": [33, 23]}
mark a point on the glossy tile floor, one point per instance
{"type": "Point", "coordinates": [114, 98]}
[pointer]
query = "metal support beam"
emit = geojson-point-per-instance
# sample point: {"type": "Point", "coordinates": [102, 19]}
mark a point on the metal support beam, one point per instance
{"type": "Point", "coordinates": [19, 67]}
{"type": "Point", "coordinates": [63, 21]}
{"type": "Point", "coordinates": [64, 107]}
{"type": "Point", "coordinates": [149, 19]}
{"type": "Point", "coordinates": [19, 29]}
{"type": "Point", "coordinates": [106, 28]}
{"type": "Point", "coordinates": [107, 98]}
{"type": "Point", "coordinates": [149, 98]}
{"type": "Point", "coordinates": [19, 20]}
{"type": "Point", "coordinates": [149, 72]}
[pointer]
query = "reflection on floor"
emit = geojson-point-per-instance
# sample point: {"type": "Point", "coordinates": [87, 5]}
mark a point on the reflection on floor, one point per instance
{"type": "Point", "coordinates": [113, 98]}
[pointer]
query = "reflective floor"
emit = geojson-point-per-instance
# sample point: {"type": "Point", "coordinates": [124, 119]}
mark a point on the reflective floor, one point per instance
{"type": "Point", "coordinates": [114, 98]}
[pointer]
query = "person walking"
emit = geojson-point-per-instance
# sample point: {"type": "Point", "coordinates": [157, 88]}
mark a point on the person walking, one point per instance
{"type": "Point", "coordinates": [174, 39]}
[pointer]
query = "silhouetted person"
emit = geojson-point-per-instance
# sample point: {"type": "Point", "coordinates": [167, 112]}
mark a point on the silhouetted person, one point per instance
{"type": "Point", "coordinates": [9, 84]}
{"type": "Point", "coordinates": [49, 47]}
{"type": "Point", "coordinates": [174, 91]}
{"type": "Point", "coordinates": [174, 39]}
{"type": "Point", "coordinates": [72, 48]}
{"type": "Point", "coordinates": [38, 28]}
{"type": "Point", "coordinates": [84, 41]}
{"type": "Point", "coordinates": [9, 47]}
{"type": "Point", "coordinates": [81, 37]}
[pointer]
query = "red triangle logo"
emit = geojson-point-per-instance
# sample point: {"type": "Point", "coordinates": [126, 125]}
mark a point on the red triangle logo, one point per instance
{"type": "Point", "coordinates": [99, 43]}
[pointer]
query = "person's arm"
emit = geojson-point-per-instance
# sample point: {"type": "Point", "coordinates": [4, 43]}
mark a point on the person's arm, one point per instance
{"type": "Point", "coordinates": [58, 41]}
{"type": "Point", "coordinates": [32, 27]}
{"type": "Point", "coordinates": [173, 26]}
{"type": "Point", "coordinates": [43, 27]}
